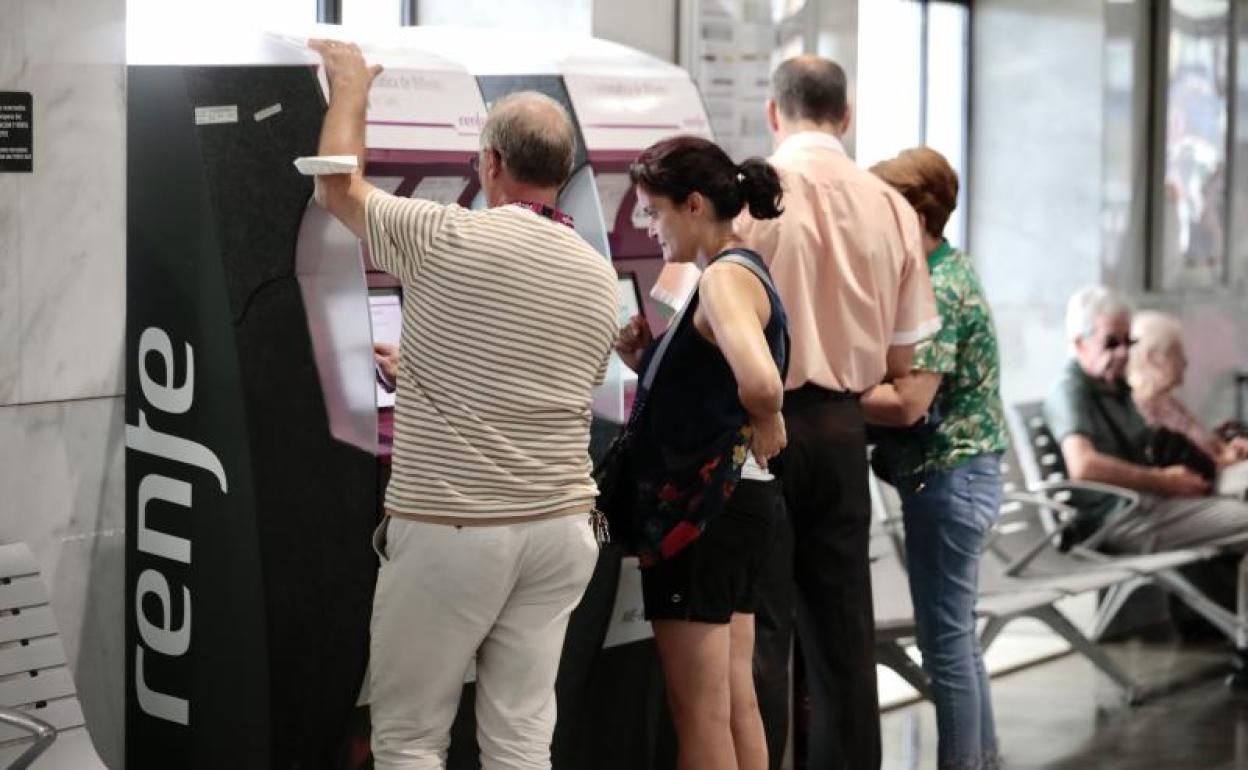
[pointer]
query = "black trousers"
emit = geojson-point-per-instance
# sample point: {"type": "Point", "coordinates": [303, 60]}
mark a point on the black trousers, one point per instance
{"type": "Point", "coordinates": [824, 478]}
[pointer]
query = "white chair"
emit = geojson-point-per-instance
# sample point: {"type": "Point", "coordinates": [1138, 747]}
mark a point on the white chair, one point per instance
{"type": "Point", "coordinates": [41, 722]}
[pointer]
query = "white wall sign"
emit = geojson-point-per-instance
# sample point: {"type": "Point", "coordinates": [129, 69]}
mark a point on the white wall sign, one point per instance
{"type": "Point", "coordinates": [408, 109]}
{"type": "Point", "coordinates": [631, 113]}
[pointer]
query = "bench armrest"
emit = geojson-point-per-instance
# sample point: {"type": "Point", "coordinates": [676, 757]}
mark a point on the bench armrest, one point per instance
{"type": "Point", "coordinates": [1019, 563]}
{"type": "Point", "coordinates": [43, 733]}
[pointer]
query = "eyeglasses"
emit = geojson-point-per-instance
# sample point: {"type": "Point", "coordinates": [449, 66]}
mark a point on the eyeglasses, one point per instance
{"type": "Point", "coordinates": [1113, 342]}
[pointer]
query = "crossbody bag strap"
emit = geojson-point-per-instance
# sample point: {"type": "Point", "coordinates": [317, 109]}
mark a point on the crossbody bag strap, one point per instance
{"type": "Point", "coordinates": [737, 258]}
{"type": "Point", "coordinates": [653, 369]}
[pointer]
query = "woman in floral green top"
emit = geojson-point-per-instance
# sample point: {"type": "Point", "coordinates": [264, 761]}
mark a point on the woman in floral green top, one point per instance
{"type": "Point", "coordinates": [947, 467]}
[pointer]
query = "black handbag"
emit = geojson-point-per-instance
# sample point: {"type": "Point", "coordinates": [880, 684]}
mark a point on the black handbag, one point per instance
{"type": "Point", "coordinates": [615, 476]}
{"type": "Point", "coordinates": [1166, 447]}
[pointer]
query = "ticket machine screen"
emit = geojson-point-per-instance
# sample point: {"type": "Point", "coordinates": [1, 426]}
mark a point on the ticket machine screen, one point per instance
{"type": "Point", "coordinates": [386, 311]}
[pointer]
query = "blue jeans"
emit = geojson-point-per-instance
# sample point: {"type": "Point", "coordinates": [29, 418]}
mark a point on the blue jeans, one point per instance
{"type": "Point", "coordinates": [947, 516]}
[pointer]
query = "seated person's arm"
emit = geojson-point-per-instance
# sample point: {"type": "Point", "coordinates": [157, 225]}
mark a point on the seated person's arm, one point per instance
{"type": "Point", "coordinates": [902, 402]}
{"type": "Point", "coordinates": [1085, 463]}
{"type": "Point", "coordinates": [350, 78]}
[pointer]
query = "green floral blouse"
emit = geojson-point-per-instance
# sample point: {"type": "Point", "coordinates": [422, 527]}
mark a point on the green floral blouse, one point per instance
{"type": "Point", "coordinates": [968, 403]}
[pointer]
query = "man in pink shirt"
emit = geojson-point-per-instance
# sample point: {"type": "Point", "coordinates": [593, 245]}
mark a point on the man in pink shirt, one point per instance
{"type": "Point", "coordinates": [848, 261]}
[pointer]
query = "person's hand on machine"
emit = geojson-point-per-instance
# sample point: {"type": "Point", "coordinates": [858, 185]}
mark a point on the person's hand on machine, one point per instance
{"type": "Point", "coordinates": [345, 69]}
{"type": "Point", "coordinates": [634, 339]}
{"type": "Point", "coordinates": [386, 354]}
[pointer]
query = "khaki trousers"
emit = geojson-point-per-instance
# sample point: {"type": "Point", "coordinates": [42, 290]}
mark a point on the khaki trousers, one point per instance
{"type": "Point", "coordinates": [447, 595]}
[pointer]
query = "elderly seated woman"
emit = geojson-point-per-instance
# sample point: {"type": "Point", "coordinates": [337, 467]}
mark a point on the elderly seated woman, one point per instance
{"type": "Point", "coordinates": [1155, 372]}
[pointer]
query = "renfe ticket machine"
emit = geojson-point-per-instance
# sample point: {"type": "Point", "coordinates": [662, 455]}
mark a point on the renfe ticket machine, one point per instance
{"type": "Point", "coordinates": [257, 431]}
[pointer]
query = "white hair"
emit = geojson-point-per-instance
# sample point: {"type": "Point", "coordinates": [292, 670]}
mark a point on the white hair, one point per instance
{"type": "Point", "coordinates": [1089, 304]}
{"type": "Point", "coordinates": [1154, 333]}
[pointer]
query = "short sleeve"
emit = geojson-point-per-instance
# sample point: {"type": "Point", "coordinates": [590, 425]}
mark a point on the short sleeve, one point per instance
{"type": "Point", "coordinates": [401, 231]}
{"type": "Point", "coordinates": [938, 354]}
{"type": "Point", "coordinates": [917, 318]}
{"type": "Point", "coordinates": [1068, 412]}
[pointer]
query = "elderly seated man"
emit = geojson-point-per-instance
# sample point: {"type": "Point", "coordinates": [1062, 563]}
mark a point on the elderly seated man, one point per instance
{"type": "Point", "coordinates": [1104, 438]}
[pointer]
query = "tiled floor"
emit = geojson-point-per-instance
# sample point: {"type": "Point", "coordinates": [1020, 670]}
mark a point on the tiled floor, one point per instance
{"type": "Point", "coordinates": [1064, 714]}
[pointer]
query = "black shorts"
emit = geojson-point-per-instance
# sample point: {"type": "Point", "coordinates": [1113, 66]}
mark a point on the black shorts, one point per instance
{"type": "Point", "coordinates": [716, 575]}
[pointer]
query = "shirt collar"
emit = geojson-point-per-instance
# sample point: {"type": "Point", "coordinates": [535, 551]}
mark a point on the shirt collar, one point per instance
{"type": "Point", "coordinates": [1118, 390]}
{"type": "Point", "coordinates": [941, 253]}
{"type": "Point", "coordinates": [810, 139]}
{"type": "Point", "coordinates": [553, 214]}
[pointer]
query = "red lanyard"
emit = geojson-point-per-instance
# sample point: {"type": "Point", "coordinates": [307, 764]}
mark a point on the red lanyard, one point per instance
{"type": "Point", "coordinates": [553, 214]}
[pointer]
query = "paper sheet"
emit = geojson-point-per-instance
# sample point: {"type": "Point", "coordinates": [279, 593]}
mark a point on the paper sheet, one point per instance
{"type": "Point", "coordinates": [315, 165]}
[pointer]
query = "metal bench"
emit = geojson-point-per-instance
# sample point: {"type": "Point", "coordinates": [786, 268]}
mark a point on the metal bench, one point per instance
{"type": "Point", "coordinates": [41, 722]}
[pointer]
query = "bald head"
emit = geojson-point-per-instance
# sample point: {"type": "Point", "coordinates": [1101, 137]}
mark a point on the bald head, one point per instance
{"type": "Point", "coordinates": [810, 88]}
{"type": "Point", "coordinates": [533, 137]}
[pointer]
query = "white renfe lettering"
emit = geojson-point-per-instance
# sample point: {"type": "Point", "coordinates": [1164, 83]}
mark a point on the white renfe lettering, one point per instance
{"type": "Point", "coordinates": [142, 438]}
{"type": "Point", "coordinates": [162, 638]}
{"type": "Point", "coordinates": [158, 704]}
{"type": "Point", "coordinates": [157, 487]}
{"type": "Point", "coordinates": [163, 395]}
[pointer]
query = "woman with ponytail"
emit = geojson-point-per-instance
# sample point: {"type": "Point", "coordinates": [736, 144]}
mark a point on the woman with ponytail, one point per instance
{"type": "Point", "coordinates": [703, 434]}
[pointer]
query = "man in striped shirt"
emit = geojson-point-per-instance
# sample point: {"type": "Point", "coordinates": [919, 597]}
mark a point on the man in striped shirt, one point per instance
{"type": "Point", "coordinates": [508, 321]}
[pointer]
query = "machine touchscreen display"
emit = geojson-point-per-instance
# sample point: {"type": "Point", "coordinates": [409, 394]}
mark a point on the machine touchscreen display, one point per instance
{"type": "Point", "coordinates": [385, 308]}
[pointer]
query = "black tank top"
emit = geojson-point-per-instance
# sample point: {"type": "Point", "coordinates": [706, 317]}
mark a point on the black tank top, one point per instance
{"type": "Point", "coordinates": [692, 437]}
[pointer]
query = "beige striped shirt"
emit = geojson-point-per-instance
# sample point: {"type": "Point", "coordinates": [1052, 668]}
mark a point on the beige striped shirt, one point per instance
{"type": "Point", "coordinates": [508, 322]}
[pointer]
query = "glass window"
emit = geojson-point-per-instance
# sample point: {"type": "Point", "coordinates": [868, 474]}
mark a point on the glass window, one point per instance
{"type": "Point", "coordinates": [912, 86]}
{"type": "Point", "coordinates": [552, 15]}
{"type": "Point", "coordinates": [372, 13]}
{"type": "Point", "coordinates": [889, 91]}
{"type": "Point", "coordinates": [1192, 210]}
{"type": "Point", "coordinates": [945, 121]}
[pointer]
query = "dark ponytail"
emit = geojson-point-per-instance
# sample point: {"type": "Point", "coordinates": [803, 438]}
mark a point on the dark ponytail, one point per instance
{"type": "Point", "coordinates": [760, 187]}
{"type": "Point", "coordinates": [682, 165]}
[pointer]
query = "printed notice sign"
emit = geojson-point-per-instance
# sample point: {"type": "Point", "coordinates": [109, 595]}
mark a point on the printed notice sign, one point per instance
{"type": "Point", "coordinates": [17, 152]}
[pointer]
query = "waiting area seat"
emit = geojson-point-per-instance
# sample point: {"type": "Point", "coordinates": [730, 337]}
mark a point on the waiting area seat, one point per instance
{"type": "Point", "coordinates": [1036, 474]}
{"type": "Point", "coordinates": [41, 722]}
{"type": "Point", "coordinates": [1002, 599]}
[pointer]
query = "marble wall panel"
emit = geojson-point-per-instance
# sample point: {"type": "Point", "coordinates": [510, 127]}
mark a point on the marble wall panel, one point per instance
{"type": "Point", "coordinates": [10, 291]}
{"type": "Point", "coordinates": [71, 243]}
{"type": "Point", "coordinates": [62, 491]}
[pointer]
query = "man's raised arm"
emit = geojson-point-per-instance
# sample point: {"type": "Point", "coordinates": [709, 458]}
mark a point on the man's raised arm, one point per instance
{"type": "Point", "coordinates": [350, 79]}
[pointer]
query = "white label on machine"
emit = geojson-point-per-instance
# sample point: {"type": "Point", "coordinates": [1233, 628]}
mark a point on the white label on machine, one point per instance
{"type": "Point", "coordinates": [628, 617]}
{"type": "Point", "coordinates": [207, 116]}
{"type": "Point", "coordinates": [267, 112]}
{"type": "Point", "coordinates": [441, 189]}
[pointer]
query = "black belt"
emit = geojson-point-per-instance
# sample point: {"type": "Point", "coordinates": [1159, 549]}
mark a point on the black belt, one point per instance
{"type": "Point", "coordinates": [813, 394]}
